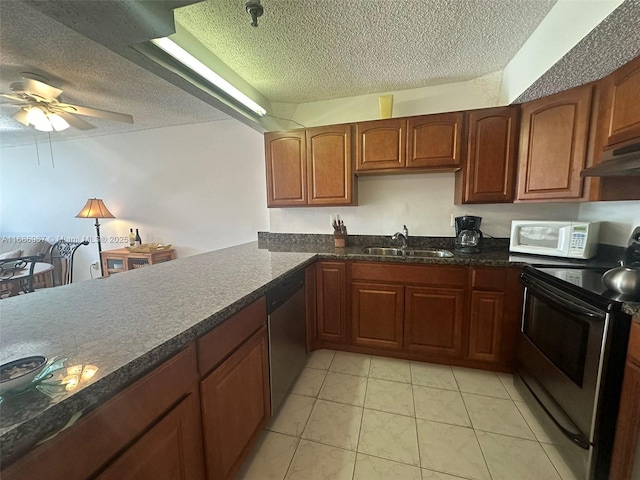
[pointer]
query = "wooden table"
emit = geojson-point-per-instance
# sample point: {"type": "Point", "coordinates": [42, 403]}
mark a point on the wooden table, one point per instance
{"type": "Point", "coordinates": [12, 283]}
{"type": "Point", "coordinates": [121, 259]}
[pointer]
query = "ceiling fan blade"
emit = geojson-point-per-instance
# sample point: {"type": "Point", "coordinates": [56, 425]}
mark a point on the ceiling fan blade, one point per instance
{"type": "Point", "coordinates": [21, 116]}
{"type": "Point", "coordinates": [97, 113]}
{"type": "Point", "coordinates": [76, 122]}
{"type": "Point", "coordinates": [29, 85]}
{"type": "Point", "coordinates": [14, 96]}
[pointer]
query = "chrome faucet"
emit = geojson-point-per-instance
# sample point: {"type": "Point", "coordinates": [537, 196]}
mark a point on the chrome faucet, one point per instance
{"type": "Point", "coordinates": [402, 236]}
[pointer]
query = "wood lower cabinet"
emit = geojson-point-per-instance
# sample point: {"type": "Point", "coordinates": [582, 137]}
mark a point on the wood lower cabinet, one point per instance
{"type": "Point", "coordinates": [435, 141]}
{"type": "Point", "coordinates": [554, 136]}
{"type": "Point", "coordinates": [434, 321]}
{"type": "Point", "coordinates": [331, 301]}
{"type": "Point", "coordinates": [235, 406]}
{"type": "Point", "coordinates": [453, 314]}
{"type": "Point", "coordinates": [149, 430]}
{"type": "Point", "coordinates": [625, 464]}
{"type": "Point", "coordinates": [489, 170]}
{"type": "Point", "coordinates": [381, 145]}
{"type": "Point", "coordinates": [286, 166]}
{"type": "Point", "coordinates": [166, 452]}
{"type": "Point", "coordinates": [377, 315]}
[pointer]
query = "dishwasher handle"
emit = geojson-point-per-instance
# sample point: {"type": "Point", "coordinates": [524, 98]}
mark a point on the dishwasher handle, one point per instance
{"type": "Point", "coordinates": [284, 291]}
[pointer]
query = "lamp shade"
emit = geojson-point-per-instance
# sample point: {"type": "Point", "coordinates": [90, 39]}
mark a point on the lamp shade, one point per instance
{"type": "Point", "coordinates": [95, 208]}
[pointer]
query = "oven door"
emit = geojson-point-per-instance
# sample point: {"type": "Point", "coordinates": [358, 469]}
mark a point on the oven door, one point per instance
{"type": "Point", "coordinates": [560, 352]}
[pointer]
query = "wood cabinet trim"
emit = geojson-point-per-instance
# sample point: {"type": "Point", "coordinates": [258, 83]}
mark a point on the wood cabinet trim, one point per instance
{"type": "Point", "coordinates": [219, 343]}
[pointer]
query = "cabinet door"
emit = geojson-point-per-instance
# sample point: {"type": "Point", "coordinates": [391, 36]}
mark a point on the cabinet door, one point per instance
{"type": "Point", "coordinates": [235, 406]}
{"type": "Point", "coordinates": [434, 320]}
{"type": "Point", "coordinates": [553, 145]}
{"type": "Point", "coordinates": [171, 449]}
{"type": "Point", "coordinates": [330, 175]}
{"type": "Point", "coordinates": [380, 145]}
{"type": "Point", "coordinates": [331, 300]}
{"type": "Point", "coordinates": [620, 114]}
{"type": "Point", "coordinates": [286, 165]}
{"type": "Point", "coordinates": [377, 314]}
{"type": "Point", "coordinates": [434, 141]}
{"type": "Point", "coordinates": [485, 329]}
{"type": "Point", "coordinates": [489, 172]}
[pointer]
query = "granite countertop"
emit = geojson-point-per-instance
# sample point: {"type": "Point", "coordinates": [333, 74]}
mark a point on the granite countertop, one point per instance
{"type": "Point", "coordinates": [124, 325]}
{"type": "Point", "coordinates": [127, 323]}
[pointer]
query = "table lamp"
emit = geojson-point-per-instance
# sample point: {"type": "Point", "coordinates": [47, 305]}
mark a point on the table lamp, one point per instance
{"type": "Point", "coordinates": [95, 208]}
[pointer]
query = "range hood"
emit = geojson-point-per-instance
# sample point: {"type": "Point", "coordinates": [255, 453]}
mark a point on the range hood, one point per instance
{"type": "Point", "coordinates": [624, 161]}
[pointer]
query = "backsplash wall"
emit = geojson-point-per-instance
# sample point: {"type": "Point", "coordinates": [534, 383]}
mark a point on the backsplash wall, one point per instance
{"type": "Point", "coordinates": [424, 202]}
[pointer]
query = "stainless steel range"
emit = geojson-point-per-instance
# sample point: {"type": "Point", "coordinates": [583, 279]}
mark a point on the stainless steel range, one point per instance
{"type": "Point", "coordinates": [570, 361]}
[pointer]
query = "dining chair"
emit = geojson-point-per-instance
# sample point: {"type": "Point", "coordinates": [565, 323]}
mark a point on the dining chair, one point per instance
{"type": "Point", "coordinates": [16, 274]}
{"type": "Point", "coordinates": [61, 256]}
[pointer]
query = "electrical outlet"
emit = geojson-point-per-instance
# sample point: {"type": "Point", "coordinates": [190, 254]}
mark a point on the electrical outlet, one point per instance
{"type": "Point", "coordinates": [452, 221]}
{"type": "Point", "coordinates": [95, 265]}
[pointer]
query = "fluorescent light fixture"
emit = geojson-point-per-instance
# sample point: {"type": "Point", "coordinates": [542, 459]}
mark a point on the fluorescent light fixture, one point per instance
{"type": "Point", "coordinates": [205, 72]}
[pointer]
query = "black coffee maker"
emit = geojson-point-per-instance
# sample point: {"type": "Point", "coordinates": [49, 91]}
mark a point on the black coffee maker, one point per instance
{"type": "Point", "coordinates": [468, 234]}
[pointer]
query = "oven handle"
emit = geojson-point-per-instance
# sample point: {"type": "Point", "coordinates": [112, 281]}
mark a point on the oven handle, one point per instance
{"type": "Point", "coordinates": [577, 438]}
{"type": "Point", "coordinates": [560, 302]}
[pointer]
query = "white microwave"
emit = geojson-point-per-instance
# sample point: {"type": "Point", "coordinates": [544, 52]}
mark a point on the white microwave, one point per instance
{"type": "Point", "coordinates": [557, 239]}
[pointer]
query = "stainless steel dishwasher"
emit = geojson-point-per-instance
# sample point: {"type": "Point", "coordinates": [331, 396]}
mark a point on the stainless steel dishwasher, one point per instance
{"type": "Point", "coordinates": [287, 335]}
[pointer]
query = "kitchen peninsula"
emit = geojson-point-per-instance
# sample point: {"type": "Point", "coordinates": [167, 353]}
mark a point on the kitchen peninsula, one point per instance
{"type": "Point", "coordinates": [128, 325]}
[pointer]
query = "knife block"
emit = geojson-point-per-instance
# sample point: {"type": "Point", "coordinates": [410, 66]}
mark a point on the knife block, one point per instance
{"type": "Point", "coordinates": [340, 239]}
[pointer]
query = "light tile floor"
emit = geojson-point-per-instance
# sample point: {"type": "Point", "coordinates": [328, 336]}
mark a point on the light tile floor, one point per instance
{"type": "Point", "coordinates": [361, 417]}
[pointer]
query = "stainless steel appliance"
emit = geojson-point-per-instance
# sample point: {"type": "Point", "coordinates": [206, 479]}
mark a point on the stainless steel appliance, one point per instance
{"type": "Point", "coordinates": [570, 360]}
{"type": "Point", "coordinates": [287, 335]}
{"type": "Point", "coordinates": [468, 234]}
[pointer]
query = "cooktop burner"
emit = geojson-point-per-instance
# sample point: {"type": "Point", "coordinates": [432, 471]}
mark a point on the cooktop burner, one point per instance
{"type": "Point", "coordinates": [586, 279]}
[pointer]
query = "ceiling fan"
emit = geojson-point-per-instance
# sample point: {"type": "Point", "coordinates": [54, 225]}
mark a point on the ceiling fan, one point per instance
{"type": "Point", "coordinates": [40, 107]}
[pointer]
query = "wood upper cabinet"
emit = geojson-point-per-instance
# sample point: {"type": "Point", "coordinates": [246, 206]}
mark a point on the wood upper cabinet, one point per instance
{"type": "Point", "coordinates": [286, 164]}
{"type": "Point", "coordinates": [331, 302]}
{"type": "Point", "coordinates": [489, 171]}
{"type": "Point", "coordinates": [553, 145]}
{"type": "Point", "coordinates": [435, 141]}
{"type": "Point", "coordinates": [235, 406]}
{"type": "Point", "coordinates": [377, 314]}
{"type": "Point", "coordinates": [434, 320]}
{"type": "Point", "coordinates": [310, 167]}
{"type": "Point", "coordinates": [329, 166]}
{"type": "Point", "coordinates": [620, 112]}
{"type": "Point", "coordinates": [380, 145]}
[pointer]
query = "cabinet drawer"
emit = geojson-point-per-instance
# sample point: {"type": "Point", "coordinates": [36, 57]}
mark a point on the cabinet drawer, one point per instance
{"type": "Point", "coordinates": [633, 352]}
{"type": "Point", "coordinates": [441, 275]}
{"type": "Point", "coordinates": [220, 342]}
{"type": "Point", "coordinates": [494, 279]}
{"type": "Point", "coordinates": [98, 437]}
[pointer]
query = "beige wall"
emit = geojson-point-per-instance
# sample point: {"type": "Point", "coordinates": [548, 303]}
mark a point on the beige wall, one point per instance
{"type": "Point", "coordinates": [199, 187]}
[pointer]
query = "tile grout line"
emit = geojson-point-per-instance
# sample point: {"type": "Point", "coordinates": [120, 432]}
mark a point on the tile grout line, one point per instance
{"type": "Point", "coordinates": [364, 401]}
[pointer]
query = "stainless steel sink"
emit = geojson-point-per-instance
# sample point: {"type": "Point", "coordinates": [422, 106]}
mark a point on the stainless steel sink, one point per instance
{"type": "Point", "coordinates": [429, 253]}
{"type": "Point", "coordinates": [396, 252]}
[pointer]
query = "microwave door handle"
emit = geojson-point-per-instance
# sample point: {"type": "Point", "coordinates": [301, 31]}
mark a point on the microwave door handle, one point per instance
{"type": "Point", "coordinates": [560, 302]}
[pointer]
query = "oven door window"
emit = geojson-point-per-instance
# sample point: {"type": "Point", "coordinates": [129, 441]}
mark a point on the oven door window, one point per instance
{"type": "Point", "coordinates": [563, 338]}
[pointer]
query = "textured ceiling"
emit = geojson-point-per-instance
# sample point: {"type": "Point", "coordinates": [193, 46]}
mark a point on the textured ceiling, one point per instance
{"type": "Point", "coordinates": [302, 51]}
{"type": "Point", "coordinates": [89, 75]}
{"type": "Point", "coordinates": [305, 51]}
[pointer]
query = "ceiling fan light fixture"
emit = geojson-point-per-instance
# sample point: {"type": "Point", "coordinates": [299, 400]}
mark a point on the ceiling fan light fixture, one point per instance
{"type": "Point", "coordinates": [57, 122]}
{"type": "Point", "coordinates": [189, 61]}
